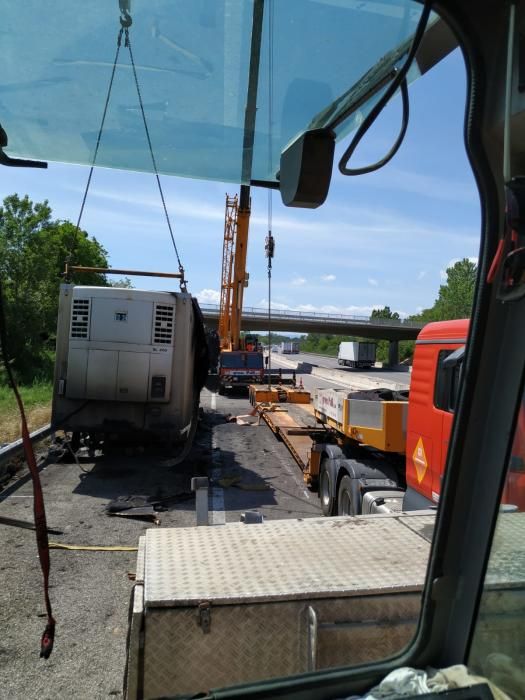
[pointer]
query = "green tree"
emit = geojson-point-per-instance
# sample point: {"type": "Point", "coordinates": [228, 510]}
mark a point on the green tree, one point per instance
{"type": "Point", "coordinates": [385, 313]}
{"type": "Point", "coordinates": [382, 345]}
{"type": "Point", "coordinates": [33, 252]}
{"type": "Point", "coordinates": [457, 294]}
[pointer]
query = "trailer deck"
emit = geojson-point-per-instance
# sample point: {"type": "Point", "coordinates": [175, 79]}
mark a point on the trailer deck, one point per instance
{"type": "Point", "coordinates": [297, 427]}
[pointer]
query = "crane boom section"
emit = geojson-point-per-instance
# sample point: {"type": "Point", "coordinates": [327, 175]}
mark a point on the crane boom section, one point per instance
{"type": "Point", "coordinates": [234, 275]}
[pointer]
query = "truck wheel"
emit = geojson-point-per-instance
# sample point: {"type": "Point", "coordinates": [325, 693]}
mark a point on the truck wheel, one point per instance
{"type": "Point", "coordinates": [328, 502]}
{"type": "Point", "coordinates": [345, 505]}
{"type": "Point", "coordinates": [221, 390]}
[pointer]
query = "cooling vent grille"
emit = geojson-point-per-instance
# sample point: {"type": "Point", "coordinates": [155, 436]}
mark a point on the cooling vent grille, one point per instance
{"type": "Point", "coordinates": [80, 318]}
{"type": "Point", "coordinates": [163, 330]}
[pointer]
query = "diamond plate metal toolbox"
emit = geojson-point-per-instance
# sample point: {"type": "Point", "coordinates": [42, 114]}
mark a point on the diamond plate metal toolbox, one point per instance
{"type": "Point", "coordinates": [238, 603]}
{"type": "Point", "coordinates": [225, 605]}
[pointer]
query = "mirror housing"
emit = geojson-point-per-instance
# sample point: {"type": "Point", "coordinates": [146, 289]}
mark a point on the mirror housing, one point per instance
{"type": "Point", "coordinates": [306, 169]}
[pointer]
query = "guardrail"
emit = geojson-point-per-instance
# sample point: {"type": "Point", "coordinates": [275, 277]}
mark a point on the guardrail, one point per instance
{"type": "Point", "coordinates": [250, 311]}
{"type": "Point", "coordinates": [12, 450]}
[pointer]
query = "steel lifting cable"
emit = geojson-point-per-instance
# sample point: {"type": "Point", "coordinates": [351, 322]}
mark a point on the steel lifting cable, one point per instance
{"type": "Point", "coordinates": [125, 23]}
{"type": "Point", "coordinates": [270, 243]}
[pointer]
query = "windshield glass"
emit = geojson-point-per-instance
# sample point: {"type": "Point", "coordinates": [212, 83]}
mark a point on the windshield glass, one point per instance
{"type": "Point", "coordinates": [497, 650]}
{"type": "Point", "coordinates": [212, 112]}
{"type": "Point", "coordinates": [254, 361]}
{"type": "Point", "coordinates": [241, 360]}
{"type": "Point", "coordinates": [332, 442]}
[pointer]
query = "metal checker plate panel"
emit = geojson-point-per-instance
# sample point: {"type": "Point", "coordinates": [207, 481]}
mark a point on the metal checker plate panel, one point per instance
{"type": "Point", "coordinates": [507, 558]}
{"type": "Point", "coordinates": [278, 560]}
{"type": "Point", "coordinates": [248, 643]}
{"type": "Point", "coordinates": [141, 557]}
{"type": "Point", "coordinates": [422, 525]}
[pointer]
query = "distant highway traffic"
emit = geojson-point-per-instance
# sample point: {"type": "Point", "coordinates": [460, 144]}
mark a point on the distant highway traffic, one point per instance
{"type": "Point", "coordinates": [376, 373]}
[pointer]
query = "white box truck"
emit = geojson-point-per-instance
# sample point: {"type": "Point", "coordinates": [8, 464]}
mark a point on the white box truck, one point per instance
{"type": "Point", "coordinates": [127, 360]}
{"type": "Point", "coordinates": [357, 354]}
{"type": "Point", "coordinates": [289, 347]}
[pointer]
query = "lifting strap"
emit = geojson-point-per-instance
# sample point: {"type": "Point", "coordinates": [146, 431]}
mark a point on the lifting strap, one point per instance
{"type": "Point", "coordinates": [125, 23]}
{"type": "Point", "coordinates": [46, 643]}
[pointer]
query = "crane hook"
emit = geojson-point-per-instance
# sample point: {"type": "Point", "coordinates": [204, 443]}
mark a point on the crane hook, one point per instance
{"type": "Point", "coordinates": [125, 17]}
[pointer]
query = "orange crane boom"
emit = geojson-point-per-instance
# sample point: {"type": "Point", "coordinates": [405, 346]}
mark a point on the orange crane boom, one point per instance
{"type": "Point", "coordinates": [234, 275]}
{"type": "Point", "coordinates": [240, 359]}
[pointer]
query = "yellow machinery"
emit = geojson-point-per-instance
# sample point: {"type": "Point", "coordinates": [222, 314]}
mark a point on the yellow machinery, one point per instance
{"type": "Point", "coordinates": [240, 360]}
{"type": "Point", "coordinates": [234, 275]}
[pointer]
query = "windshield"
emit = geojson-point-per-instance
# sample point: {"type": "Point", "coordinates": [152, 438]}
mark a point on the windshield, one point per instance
{"type": "Point", "coordinates": [316, 469]}
{"type": "Point", "coordinates": [241, 360]}
{"type": "Point", "coordinates": [213, 112]}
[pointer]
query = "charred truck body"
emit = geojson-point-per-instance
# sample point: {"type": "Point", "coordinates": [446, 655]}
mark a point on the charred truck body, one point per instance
{"type": "Point", "coordinates": [128, 360]}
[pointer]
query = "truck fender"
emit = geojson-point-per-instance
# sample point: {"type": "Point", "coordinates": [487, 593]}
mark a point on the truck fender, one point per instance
{"type": "Point", "coordinates": [366, 472]}
{"type": "Point", "coordinates": [331, 451]}
{"type": "Point", "coordinates": [366, 478]}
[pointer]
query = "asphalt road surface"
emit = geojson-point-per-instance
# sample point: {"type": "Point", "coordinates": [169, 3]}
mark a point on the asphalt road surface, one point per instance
{"type": "Point", "coordinates": [375, 373]}
{"type": "Point", "coordinates": [90, 590]}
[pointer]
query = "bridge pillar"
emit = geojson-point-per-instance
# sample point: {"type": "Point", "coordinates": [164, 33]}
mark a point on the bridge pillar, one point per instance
{"type": "Point", "coordinates": [393, 353]}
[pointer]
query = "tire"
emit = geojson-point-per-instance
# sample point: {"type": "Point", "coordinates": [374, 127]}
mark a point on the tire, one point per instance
{"type": "Point", "coordinates": [222, 390]}
{"type": "Point", "coordinates": [345, 500]}
{"type": "Point", "coordinates": [328, 502]}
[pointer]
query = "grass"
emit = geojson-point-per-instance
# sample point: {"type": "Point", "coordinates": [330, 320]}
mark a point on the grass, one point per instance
{"type": "Point", "coordinates": [37, 404]}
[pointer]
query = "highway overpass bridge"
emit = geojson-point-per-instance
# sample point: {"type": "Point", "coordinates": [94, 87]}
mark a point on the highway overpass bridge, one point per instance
{"type": "Point", "coordinates": [254, 319]}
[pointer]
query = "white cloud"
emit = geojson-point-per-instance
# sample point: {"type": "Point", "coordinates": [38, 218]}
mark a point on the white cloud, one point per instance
{"type": "Point", "coordinates": [421, 274]}
{"type": "Point", "coordinates": [209, 296]}
{"type": "Point", "coordinates": [298, 281]}
{"type": "Point", "coordinates": [328, 278]}
{"type": "Point", "coordinates": [451, 263]}
{"type": "Point", "coordinates": [373, 282]}
{"type": "Point", "coordinates": [190, 208]}
{"type": "Point", "coordinates": [426, 185]}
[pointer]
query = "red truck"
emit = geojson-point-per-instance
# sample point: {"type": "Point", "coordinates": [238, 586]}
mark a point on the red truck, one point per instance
{"type": "Point", "coordinates": [386, 451]}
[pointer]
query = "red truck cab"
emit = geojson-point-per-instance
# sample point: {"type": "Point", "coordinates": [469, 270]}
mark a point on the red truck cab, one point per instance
{"type": "Point", "coordinates": [436, 374]}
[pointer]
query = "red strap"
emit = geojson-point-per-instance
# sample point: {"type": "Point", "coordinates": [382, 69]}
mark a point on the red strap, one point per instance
{"type": "Point", "coordinates": [496, 261]}
{"type": "Point", "coordinates": [46, 644]}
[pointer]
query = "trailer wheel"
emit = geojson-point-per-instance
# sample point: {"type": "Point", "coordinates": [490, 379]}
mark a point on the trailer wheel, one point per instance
{"type": "Point", "coordinates": [326, 491]}
{"type": "Point", "coordinates": [345, 505]}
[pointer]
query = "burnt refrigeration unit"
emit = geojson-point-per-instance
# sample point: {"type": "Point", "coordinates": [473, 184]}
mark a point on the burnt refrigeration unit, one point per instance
{"type": "Point", "coordinates": [128, 360]}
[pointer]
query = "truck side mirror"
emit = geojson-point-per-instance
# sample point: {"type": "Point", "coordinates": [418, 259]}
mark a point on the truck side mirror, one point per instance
{"type": "Point", "coordinates": [453, 370]}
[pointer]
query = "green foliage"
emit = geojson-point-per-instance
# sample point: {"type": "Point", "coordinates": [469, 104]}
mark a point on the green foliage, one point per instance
{"type": "Point", "coordinates": [455, 297]}
{"type": "Point", "coordinates": [277, 338]}
{"type": "Point", "coordinates": [382, 345]}
{"type": "Point", "coordinates": [33, 252]}
{"type": "Point", "coordinates": [323, 344]}
{"type": "Point", "coordinates": [124, 283]}
{"type": "Point", "coordinates": [385, 313]}
{"type": "Point", "coordinates": [36, 394]}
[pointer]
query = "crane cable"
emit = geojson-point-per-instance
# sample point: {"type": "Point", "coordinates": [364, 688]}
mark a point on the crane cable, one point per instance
{"type": "Point", "coordinates": [126, 22]}
{"type": "Point", "coordinates": [270, 243]}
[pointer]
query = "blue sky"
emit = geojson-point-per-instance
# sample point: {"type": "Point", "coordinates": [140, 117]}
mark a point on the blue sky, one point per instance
{"type": "Point", "coordinates": [380, 239]}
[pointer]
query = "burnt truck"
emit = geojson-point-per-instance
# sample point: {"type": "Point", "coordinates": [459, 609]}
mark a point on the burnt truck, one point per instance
{"type": "Point", "coordinates": [128, 360]}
